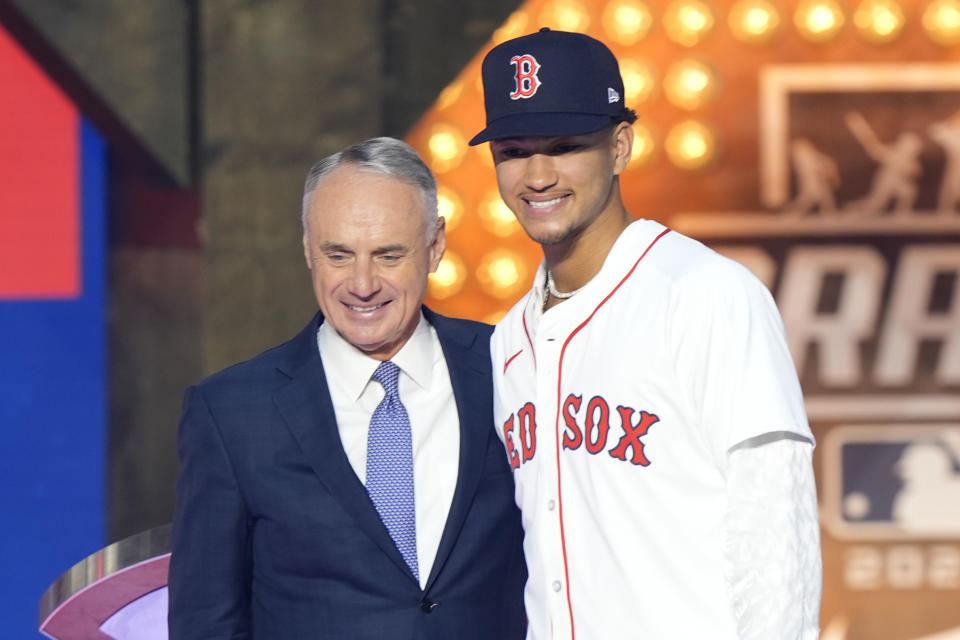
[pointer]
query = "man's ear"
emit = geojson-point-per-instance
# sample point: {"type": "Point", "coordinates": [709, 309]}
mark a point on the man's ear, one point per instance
{"type": "Point", "coordinates": [439, 244]}
{"type": "Point", "coordinates": [622, 139]}
{"type": "Point", "coordinates": [306, 251]}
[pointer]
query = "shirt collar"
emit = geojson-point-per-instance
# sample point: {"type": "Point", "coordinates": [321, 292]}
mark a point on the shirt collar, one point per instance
{"type": "Point", "coordinates": [354, 368]}
{"type": "Point", "coordinates": [538, 292]}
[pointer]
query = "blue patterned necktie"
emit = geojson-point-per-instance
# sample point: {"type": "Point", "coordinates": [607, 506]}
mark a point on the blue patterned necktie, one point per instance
{"type": "Point", "coordinates": [390, 466]}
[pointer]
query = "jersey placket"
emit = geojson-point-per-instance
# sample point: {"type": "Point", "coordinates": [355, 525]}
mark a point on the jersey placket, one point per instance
{"type": "Point", "coordinates": [549, 341]}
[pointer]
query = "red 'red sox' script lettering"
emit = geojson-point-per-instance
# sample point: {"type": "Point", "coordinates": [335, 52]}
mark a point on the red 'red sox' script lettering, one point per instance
{"type": "Point", "coordinates": [527, 417]}
{"type": "Point", "coordinates": [592, 431]}
{"type": "Point", "coordinates": [526, 79]}
{"type": "Point", "coordinates": [512, 456]}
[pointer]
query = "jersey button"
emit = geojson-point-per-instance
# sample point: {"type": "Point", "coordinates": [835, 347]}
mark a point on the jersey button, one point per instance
{"type": "Point", "coordinates": [551, 504]}
{"type": "Point", "coordinates": [557, 586]}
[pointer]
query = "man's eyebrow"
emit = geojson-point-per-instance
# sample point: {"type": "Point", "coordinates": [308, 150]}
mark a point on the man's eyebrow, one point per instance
{"type": "Point", "coordinates": [332, 247]}
{"type": "Point", "coordinates": [391, 248]}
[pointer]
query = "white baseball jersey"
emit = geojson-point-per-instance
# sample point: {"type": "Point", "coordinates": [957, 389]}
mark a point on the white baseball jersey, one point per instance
{"type": "Point", "coordinates": [617, 409]}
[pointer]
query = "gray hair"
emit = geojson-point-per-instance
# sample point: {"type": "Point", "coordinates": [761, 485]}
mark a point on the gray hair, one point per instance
{"type": "Point", "coordinates": [387, 156]}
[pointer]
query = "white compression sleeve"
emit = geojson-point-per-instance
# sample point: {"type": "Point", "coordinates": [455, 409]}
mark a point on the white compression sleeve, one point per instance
{"type": "Point", "coordinates": [772, 544]}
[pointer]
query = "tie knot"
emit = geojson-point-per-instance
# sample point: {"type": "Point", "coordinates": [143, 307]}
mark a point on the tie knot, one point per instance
{"type": "Point", "coordinates": [387, 374]}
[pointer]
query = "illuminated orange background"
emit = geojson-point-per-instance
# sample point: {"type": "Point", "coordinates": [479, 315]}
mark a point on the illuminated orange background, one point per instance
{"type": "Point", "coordinates": [655, 187]}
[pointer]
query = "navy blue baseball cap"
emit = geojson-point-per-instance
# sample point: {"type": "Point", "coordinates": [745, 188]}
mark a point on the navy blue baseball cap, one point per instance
{"type": "Point", "coordinates": [550, 83]}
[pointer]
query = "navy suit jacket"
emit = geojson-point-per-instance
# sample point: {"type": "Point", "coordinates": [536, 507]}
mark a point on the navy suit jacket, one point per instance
{"type": "Point", "coordinates": [274, 534]}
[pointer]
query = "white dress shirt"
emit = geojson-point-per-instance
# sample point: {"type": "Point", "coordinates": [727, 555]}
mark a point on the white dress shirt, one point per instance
{"type": "Point", "coordinates": [427, 394]}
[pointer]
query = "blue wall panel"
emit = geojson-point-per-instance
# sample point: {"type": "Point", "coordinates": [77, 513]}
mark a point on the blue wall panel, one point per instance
{"type": "Point", "coordinates": [53, 418]}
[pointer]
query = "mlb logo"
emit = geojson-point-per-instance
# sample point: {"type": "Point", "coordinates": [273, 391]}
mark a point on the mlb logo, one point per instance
{"type": "Point", "coordinates": [892, 482]}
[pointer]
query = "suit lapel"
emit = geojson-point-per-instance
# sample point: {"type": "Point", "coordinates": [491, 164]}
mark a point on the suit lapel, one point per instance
{"type": "Point", "coordinates": [468, 364]}
{"type": "Point", "coordinates": [306, 407]}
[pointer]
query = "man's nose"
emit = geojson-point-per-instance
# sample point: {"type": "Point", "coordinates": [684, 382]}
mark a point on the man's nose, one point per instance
{"type": "Point", "coordinates": [363, 280]}
{"type": "Point", "coordinates": [540, 172]}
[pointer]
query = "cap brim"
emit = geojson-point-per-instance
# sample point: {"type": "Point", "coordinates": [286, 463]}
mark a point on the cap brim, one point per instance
{"type": "Point", "coordinates": [541, 124]}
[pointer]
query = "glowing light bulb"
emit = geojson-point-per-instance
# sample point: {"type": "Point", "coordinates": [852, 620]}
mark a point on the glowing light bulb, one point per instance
{"type": "Point", "coordinates": [447, 147]}
{"type": "Point", "coordinates": [502, 273]}
{"type": "Point", "coordinates": [565, 15]}
{"type": "Point", "coordinates": [449, 206]}
{"type": "Point", "coordinates": [496, 217]}
{"type": "Point", "coordinates": [690, 145]}
{"type": "Point", "coordinates": [639, 83]}
{"type": "Point", "coordinates": [754, 21]}
{"type": "Point", "coordinates": [818, 20]}
{"type": "Point", "coordinates": [879, 20]}
{"type": "Point", "coordinates": [941, 21]}
{"type": "Point", "coordinates": [449, 278]}
{"type": "Point", "coordinates": [627, 22]}
{"type": "Point", "coordinates": [688, 22]}
{"type": "Point", "coordinates": [689, 84]}
{"type": "Point", "coordinates": [643, 146]}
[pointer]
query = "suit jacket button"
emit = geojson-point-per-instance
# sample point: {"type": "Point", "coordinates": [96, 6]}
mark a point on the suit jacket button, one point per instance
{"type": "Point", "coordinates": [427, 606]}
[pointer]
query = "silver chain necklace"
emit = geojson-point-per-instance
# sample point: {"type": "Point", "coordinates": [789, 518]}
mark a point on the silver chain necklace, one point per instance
{"type": "Point", "coordinates": [557, 294]}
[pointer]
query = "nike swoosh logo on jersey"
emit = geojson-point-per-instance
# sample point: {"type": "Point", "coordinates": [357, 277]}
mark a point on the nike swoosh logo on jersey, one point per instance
{"type": "Point", "coordinates": [510, 359]}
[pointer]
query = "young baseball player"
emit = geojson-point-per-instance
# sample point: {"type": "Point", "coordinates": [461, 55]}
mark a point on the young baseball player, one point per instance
{"type": "Point", "coordinates": [645, 393]}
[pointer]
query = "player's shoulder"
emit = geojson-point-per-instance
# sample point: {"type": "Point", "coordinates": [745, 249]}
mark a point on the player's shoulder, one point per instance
{"type": "Point", "coordinates": [699, 283]}
{"type": "Point", "coordinates": [686, 261]}
{"type": "Point", "coordinates": [691, 279]}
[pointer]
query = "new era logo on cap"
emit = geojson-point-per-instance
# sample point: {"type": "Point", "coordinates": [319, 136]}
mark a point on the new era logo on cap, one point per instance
{"type": "Point", "coordinates": [550, 83]}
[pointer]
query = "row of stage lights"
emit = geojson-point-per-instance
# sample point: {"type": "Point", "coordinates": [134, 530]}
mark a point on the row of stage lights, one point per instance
{"type": "Point", "coordinates": [688, 84]}
{"type": "Point", "coordinates": [688, 22]}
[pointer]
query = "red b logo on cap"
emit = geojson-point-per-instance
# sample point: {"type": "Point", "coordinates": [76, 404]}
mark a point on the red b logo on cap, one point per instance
{"type": "Point", "coordinates": [526, 78]}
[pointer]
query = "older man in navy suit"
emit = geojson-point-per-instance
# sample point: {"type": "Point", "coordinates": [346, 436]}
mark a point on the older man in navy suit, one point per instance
{"type": "Point", "coordinates": [348, 484]}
